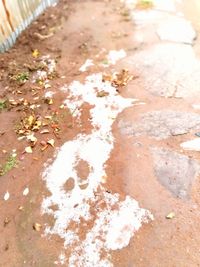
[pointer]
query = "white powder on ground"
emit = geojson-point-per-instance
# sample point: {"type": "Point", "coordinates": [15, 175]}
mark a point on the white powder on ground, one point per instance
{"type": "Point", "coordinates": [193, 144]}
{"type": "Point", "coordinates": [88, 63]}
{"type": "Point", "coordinates": [115, 55]}
{"type": "Point", "coordinates": [113, 224]}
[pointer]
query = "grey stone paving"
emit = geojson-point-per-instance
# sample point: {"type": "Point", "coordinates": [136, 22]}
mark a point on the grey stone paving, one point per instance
{"type": "Point", "coordinates": [175, 171]}
{"type": "Point", "coordinates": [177, 29]}
{"type": "Point", "coordinates": [162, 124]}
{"type": "Point", "coordinates": [168, 70]}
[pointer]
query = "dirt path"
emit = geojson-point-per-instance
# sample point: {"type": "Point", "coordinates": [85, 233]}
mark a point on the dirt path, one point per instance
{"type": "Point", "coordinates": [99, 101]}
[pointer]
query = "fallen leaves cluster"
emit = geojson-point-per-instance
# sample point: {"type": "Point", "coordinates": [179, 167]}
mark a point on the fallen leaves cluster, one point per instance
{"type": "Point", "coordinates": [31, 124]}
{"type": "Point", "coordinates": [118, 79]}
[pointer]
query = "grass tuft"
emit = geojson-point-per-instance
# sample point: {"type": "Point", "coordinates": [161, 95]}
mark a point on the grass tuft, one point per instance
{"type": "Point", "coordinates": [10, 163]}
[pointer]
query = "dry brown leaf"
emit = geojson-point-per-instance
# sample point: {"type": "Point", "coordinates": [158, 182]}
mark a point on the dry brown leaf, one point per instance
{"type": "Point", "coordinates": [45, 131]}
{"type": "Point", "coordinates": [102, 94]}
{"type": "Point", "coordinates": [51, 142]}
{"type": "Point", "coordinates": [28, 150]}
{"type": "Point", "coordinates": [37, 227]}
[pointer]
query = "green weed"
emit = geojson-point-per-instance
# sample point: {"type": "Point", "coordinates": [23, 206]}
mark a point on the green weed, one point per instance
{"type": "Point", "coordinates": [145, 4]}
{"type": "Point", "coordinates": [3, 104]}
{"type": "Point", "coordinates": [10, 163]}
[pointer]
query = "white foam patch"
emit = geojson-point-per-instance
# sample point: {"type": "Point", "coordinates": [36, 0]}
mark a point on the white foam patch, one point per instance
{"type": "Point", "coordinates": [191, 144]}
{"type": "Point", "coordinates": [177, 30]}
{"type": "Point", "coordinates": [115, 55]}
{"type": "Point", "coordinates": [88, 63]}
{"type": "Point", "coordinates": [115, 222]}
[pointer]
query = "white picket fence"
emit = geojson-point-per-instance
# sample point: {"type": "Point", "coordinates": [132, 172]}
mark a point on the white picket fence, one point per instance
{"type": "Point", "coordinates": [16, 15]}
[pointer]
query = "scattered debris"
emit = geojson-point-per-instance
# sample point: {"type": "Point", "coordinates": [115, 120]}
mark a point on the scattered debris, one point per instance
{"type": "Point", "coordinates": [37, 227]}
{"type": "Point", "coordinates": [26, 191]}
{"type": "Point", "coordinates": [171, 215]}
{"type": "Point", "coordinates": [6, 196]}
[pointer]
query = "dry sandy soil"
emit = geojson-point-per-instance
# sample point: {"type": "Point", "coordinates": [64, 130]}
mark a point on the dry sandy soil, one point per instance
{"type": "Point", "coordinates": [146, 161]}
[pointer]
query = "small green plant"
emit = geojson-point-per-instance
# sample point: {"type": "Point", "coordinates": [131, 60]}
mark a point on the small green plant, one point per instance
{"type": "Point", "coordinates": [105, 62]}
{"type": "Point", "coordinates": [20, 77]}
{"type": "Point", "coordinates": [3, 104]}
{"type": "Point", "coordinates": [145, 4]}
{"type": "Point", "coordinates": [10, 163]}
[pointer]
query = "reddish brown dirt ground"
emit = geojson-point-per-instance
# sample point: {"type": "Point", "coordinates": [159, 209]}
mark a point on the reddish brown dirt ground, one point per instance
{"type": "Point", "coordinates": [160, 243]}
